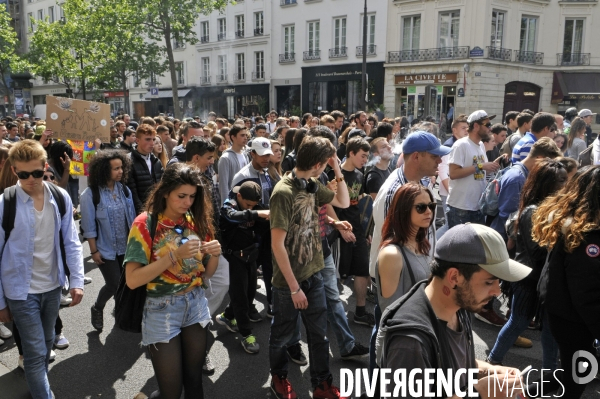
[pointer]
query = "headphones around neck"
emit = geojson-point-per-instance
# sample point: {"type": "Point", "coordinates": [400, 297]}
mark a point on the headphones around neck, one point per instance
{"type": "Point", "coordinates": [310, 186]}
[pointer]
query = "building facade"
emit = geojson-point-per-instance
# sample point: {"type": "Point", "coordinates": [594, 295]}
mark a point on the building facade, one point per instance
{"type": "Point", "coordinates": [497, 55]}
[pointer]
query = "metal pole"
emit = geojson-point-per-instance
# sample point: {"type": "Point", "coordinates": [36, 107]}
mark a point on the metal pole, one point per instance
{"type": "Point", "coordinates": [363, 93]}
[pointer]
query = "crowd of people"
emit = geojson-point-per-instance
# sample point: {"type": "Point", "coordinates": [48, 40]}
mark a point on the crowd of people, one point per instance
{"type": "Point", "coordinates": [195, 211]}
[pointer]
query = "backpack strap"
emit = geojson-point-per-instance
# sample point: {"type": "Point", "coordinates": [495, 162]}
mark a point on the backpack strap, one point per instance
{"type": "Point", "coordinates": [60, 201]}
{"type": "Point", "coordinates": [10, 210]}
{"type": "Point", "coordinates": [413, 280]}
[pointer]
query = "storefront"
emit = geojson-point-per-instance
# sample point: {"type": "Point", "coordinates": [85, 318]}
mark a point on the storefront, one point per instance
{"type": "Point", "coordinates": [338, 87]}
{"type": "Point", "coordinates": [423, 95]}
{"type": "Point", "coordinates": [164, 102]}
{"type": "Point", "coordinates": [229, 101]}
{"type": "Point", "coordinates": [578, 89]}
{"type": "Point", "coordinates": [116, 100]}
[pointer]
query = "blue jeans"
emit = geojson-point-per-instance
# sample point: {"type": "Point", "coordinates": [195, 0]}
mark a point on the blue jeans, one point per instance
{"type": "Point", "coordinates": [455, 216]}
{"type": "Point", "coordinates": [335, 309]}
{"type": "Point", "coordinates": [283, 327]}
{"type": "Point", "coordinates": [516, 324]}
{"type": "Point", "coordinates": [35, 318]}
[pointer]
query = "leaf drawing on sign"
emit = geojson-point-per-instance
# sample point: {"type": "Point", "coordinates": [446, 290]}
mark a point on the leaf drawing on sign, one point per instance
{"type": "Point", "coordinates": [65, 104]}
{"type": "Point", "coordinates": [94, 107]}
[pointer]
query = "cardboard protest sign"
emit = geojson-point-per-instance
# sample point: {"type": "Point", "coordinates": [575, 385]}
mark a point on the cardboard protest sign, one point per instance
{"type": "Point", "coordinates": [83, 151]}
{"type": "Point", "coordinates": [72, 119]}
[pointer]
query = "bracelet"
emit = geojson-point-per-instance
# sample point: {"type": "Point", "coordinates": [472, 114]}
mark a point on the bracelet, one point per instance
{"type": "Point", "coordinates": [172, 257]}
{"type": "Point", "coordinates": [295, 292]}
{"type": "Point", "coordinates": [339, 179]}
{"type": "Point", "coordinates": [95, 252]}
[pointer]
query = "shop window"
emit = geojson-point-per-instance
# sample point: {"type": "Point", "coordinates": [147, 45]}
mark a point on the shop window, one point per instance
{"type": "Point", "coordinates": [317, 96]}
{"type": "Point", "coordinates": [411, 32]}
{"type": "Point", "coordinates": [528, 33]}
{"type": "Point", "coordinates": [497, 28]}
{"type": "Point", "coordinates": [449, 27]}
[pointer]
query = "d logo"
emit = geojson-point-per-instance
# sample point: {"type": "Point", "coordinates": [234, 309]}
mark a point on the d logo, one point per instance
{"type": "Point", "coordinates": [584, 363]}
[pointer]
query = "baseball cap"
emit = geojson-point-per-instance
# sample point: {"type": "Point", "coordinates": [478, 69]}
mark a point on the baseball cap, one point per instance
{"type": "Point", "coordinates": [479, 116]}
{"type": "Point", "coordinates": [585, 112]}
{"type": "Point", "coordinates": [357, 133]}
{"type": "Point", "coordinates": [480, 245]}
{"type": "Point", "coordinates": [249, 190]}
{"type": "Point", "coordinates": [25, 115]}
{"type": "Point", "coordinates": [262, 146]}
{"type": "Point", "coordinates": [424, 142]}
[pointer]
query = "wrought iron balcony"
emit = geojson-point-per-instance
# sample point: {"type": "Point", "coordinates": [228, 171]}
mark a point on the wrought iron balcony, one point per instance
{"type": "Point", "coordinates": [312, 55]}
{"type": "Point", "coordinates": [288, 2]}
{"type": "Point", "coordinates": [221, 78]}
{"type": "Point", "coordinates": [239, 33]}
{"type": "Point", "coordinates": [371, 50]}
{"type": "Point", "coordinates": [204, 39]}
{"type": "Point", "coordinates": [338, 52]}
{"type": "Point", "coordinates": [222, 36]}
{"type": "Point", "coordinates": [205, 80]}
{"type": "Point", "coordinates": [239, 77]}
{"type": "Point", "coordinates": [258, 75]}
{"type": "Point", "coordinates": [573, 59]}
{"type": "Point", "coordinates": [258, 32]}
{"type": "Point", "coordinates": [529, 57]}
{"type": "Point", "coordinates": [432, 54]}
{"type": "Point", "coordinates": [499, 53]}
{"type": "Point", "coordinates": [287, 57]}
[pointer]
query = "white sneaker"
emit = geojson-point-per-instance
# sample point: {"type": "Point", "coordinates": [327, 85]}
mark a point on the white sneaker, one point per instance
{"type": "Point", "coordinates": [87, 280]}
{"type": "Point", "coordinates": [5, 333]}
{"type": "Point", "coordinates": [52, 355]}
{"type": "Point", "coordinates": [65, 300]}
{"type": "Point", "coordinates": [21, 363]}
{"type": "Point", "coordinates": [60, 342]}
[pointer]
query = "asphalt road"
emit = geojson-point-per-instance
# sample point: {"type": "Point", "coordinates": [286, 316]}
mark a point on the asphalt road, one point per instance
{"type": "Point", "coordinates": [112, 364]}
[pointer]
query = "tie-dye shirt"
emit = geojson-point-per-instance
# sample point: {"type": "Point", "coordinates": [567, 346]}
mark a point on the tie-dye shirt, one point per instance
{"type": "Point", "coordinates": [187, 273]}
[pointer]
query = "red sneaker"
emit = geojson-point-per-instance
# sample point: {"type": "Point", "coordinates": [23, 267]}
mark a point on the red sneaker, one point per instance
{"type": "Point", "coordinates": [282, 388]}
{"type": "Point", "coordinates": [490, 317]}
{"type": "Point", "coordinates": [325, 390]}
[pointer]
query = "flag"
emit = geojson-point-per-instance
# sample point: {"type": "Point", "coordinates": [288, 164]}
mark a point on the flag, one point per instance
{"type": "Point", "coordinates": [83, 151]}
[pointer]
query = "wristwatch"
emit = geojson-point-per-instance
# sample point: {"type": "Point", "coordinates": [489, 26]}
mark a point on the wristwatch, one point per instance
{"type": "Point", "coordinates": [339, 179]}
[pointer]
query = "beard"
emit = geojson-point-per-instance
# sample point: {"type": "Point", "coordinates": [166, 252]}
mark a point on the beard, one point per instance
{"type": "Point", "coordinates": [465, 298]}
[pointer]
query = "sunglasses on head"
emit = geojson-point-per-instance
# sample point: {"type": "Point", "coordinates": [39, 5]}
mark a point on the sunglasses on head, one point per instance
{"type": "Point", "coordinates": [421, 208]}
{"type": "Point", "coordinates": [46, 177]}
{"type": "Point", "coordinates": [25, 175]}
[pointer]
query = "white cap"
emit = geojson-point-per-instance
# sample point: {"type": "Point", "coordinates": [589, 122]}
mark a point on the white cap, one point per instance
{"type": "Point", "coordinates": [262, 146]}
{"type": "Point", "coordinates": [25, 115]}
{"type": "Point", "coordinates": [585, 112]}
{"type": "Point", "coordinates": [479, 116]}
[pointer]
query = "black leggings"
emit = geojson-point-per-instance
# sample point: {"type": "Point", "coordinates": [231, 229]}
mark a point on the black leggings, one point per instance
{"type": "Point", "coordinates": [111, 271]}
{"type": "Point", "coordinates": [178, 363]}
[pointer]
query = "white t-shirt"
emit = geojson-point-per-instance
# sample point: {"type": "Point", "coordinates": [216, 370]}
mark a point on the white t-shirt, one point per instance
{"type": "Point", "coordinates": [44, 276]}
{"type": "Point", "coordinates": [443, 174]}
{"type": "Point", "coordinates": [241, 159]}
{"type": "Point", "coordinates": [465, 192]}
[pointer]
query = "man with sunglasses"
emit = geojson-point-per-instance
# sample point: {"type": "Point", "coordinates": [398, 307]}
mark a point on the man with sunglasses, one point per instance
{"type": "Point", "coordinates": [32, 271]}
{"type": "Point", "coordinates": [468, 165]}
{"type": "Point", "coordinates": [541, 126]}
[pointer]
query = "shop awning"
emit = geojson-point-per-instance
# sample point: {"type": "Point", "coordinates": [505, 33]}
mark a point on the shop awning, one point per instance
{"type": "Point", "coordinates": [168, 94]}
{"type": "Point", "coordinates": [575, 86]}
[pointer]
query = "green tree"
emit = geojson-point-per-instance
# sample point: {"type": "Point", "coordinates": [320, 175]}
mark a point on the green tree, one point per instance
{"type": "Point", "coordinates": [10, 61]}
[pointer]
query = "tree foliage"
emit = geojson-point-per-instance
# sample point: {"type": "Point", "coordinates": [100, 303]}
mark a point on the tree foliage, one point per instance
{"type": "Point", "coordinates": [10, 61]}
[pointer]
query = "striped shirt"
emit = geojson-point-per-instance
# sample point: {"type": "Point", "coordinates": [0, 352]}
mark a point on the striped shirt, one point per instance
{"type": "Point", "coordinates": [523, 147]}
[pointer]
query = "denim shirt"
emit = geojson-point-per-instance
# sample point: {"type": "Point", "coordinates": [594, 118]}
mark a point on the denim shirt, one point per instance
{"type": "Point", "coordinates": [105, 232]}
{"type": "Point", "coordinates": [16, 263]}
{"type": "Point", "coordinates": [511, 184]}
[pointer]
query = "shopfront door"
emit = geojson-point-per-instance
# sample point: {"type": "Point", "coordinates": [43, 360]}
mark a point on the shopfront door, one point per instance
{"type": "Point", "coordinates": [337, 95]}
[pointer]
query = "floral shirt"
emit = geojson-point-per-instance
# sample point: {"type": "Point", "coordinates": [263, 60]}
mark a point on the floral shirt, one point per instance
{"type": "Point", "coordinates": [186, 273]}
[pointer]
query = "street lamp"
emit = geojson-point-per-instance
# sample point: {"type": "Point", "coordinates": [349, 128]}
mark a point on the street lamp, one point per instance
{"type": "Point", "coordinates": [363, 87]}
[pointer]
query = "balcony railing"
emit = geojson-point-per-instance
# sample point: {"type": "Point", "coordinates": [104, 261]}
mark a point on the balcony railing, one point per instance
{"type": "Point", "coordinates": [312, 55]}
{"type": "Point", "coordinates": [288, 2]}
{"type": "Point", "coordinates": [529, 57]}
{"type": "Point", "coordinates": [432, 54]}
{"type": "Point", "coordinates": [338, 52]}
{"type": "Point", "coordinates": [221, 78]}
{"type": "Point", "coordinates": [222, 36]}
{"type": "Point", "coordinates": [287, 57]}
{"type": "Point", "coordinates": [258, 32]}
{"type": "Point", "coordinates": [204, 39]}
{"type": "Point", "coordinates": [205, 80]}
{"type": "Point", "coordinates": [371, 50]}
{"type": "Point", "coordinates": [573, 59]}
{"type": "Point", "coordinates": [239, 77]}
{"type": "Point", "coordinates": [239, 33]}
{"type": "Point", "coordinates": [258, 75]}
{"type": "Point", "coordinates": [499, 53]}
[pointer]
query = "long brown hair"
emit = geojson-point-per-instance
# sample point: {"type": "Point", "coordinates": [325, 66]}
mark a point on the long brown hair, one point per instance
{"type": "Point", "coordinates": [397, 227]}
{"type": "Point", "coordinates": [577, 125]}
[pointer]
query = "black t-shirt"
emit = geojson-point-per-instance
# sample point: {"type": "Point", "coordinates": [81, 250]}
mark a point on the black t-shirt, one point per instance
{"type": "Point", "coordinates": [355, 183]}
{"type": "Point", "coordinates": [323, 221]}
{"type": "Point", "coordinates": [375, 179]}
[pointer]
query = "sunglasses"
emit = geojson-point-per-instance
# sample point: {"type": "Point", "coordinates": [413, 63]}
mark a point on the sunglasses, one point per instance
{"type": "Point", "coordinates": [421, 208]}
{"type": "Point", "coordinates": [51, 177]}
{"type": "Point", "coordinates": [178, 229]}
{"type": "Point", "coordinates": [25, 175]}
{"type": "Point", "coordinates": [488, 125]}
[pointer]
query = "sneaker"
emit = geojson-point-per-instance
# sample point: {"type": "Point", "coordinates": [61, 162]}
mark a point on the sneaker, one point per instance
{"type": "Point", "coordinates": [52, 356]}
{"type": "Point", "coordinates": [1, 342]}
{"type": "Point", "coordinates": [224, 321]}
{"type": "Point", "coordinates": [140, 395]}
{"type": "Point", "coordinates": [296, 355]}
{"type": "Point", "coordinates": [282, 388]}
{"type": "Point", "coordinates": [490, 317]}
{"type": "Point", "coordinates": [534, 325]}
{"type": "Point", "coordinates": [492, 362]}
{"type": "Point", "coordinates": [97, 318]}
{"type": "Point", "coordinates": [250, 345]}
{"type": "Point", "coordinates": [87, 280]}
{"type": "Point", "coordinates": [60, 342]}
{"type": "Point", "coordinates": [5, 333]}
{"type": "Point", "coordinates": [326, 390]}
{"type": "Point", "coordinates": [255, 317]}
{"type": "Point", "coordinates": [357, 352]}
{"type": "Point", "coordinates": [367, 319]}
{"type": "Point", "coordinates": [270, 313]}
{"type": "Point", "coordinates": [65, 300]}
{"type": "Point", "coordinates": [21, 363]}
{"type": "Point", "coordinates": [208, 368]}
{"type": "Point", "coordinates": [523, 343]}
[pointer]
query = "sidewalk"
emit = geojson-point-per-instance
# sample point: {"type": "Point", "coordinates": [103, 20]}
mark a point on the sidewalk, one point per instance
{"type": "Point", "coordinates": [13, 383]}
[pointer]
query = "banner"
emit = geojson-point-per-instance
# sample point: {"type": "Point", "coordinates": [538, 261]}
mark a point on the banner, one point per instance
{"type": "Point", "coordinates": [72, 119]}
{"type": "Point", "coordinates": [83, 151]}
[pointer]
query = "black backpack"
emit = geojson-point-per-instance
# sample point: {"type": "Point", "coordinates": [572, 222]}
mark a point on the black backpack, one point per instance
{"type": "Point", "coordinates": [10, 212]}
{"type": "Point", "coordinates": [96, 201]}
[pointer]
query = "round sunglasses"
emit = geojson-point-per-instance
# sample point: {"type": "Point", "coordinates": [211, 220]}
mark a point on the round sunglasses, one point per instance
{"type": "Point", "coordinates": [421, 208]}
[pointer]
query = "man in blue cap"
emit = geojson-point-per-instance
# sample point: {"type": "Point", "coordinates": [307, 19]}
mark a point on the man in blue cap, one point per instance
{"type": "Point", "coordinates": [422, 155]}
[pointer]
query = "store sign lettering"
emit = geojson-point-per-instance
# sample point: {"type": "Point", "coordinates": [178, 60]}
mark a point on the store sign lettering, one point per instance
{"type": "Point", "coordinates": [229, 91]}
{"type": "Point", "coordinates": [426, 78]}
{"type": "Point", "coordinates": [349, 73]}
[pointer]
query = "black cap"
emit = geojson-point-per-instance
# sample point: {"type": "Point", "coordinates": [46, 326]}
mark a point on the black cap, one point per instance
{"type": "Point", "coordinates": [249, 190]}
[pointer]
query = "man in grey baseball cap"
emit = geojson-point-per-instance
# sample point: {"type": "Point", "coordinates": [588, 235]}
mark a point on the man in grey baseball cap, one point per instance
{"type": "Point", "coordinates": [430, 327]}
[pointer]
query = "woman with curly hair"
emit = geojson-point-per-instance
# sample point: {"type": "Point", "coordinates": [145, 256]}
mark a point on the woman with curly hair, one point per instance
{"type": "Point", "coordinates": [174, 267]}
{"type": "Point", "coordinates": [568, 223]}
{"type": "Point", "coordinates": [107, 212]}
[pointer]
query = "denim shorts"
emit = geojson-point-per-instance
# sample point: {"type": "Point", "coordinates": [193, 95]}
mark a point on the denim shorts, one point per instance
{"type": "Point", "coordinates": [165, 316]}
